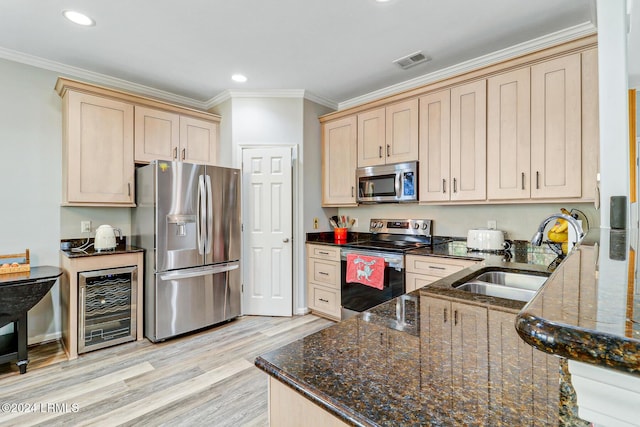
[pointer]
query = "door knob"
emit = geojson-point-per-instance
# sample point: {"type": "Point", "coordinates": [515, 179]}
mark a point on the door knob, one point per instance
{"type": "Point", "coordinates": [285, 240]}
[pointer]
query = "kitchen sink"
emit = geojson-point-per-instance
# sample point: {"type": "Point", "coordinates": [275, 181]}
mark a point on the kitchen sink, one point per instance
{"type": "Point", "coordinates": [501, 284]}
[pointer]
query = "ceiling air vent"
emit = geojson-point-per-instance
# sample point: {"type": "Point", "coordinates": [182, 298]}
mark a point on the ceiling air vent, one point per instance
{"type": "Point", "coordinates": [411, 60]}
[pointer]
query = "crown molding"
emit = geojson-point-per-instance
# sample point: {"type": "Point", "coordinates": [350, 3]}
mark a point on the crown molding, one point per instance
{"type": "Point", "coordinates": [281, 93]}
{"type": "Point", "coordinates": [549, 40]}
{"type": "Point", "coordinates": [98, 78]}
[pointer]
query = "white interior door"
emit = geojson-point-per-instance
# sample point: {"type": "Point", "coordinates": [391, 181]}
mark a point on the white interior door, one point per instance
{"type": "Point", "coordinates": [267, 224]}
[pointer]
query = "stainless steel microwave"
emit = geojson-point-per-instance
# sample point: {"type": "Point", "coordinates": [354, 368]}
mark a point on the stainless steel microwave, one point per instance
{"type": "Point", "coordinates": [393, 183]}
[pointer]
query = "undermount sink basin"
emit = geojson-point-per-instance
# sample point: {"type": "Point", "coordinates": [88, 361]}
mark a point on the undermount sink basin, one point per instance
{"type": "Point", "coordinates": [501, 284]}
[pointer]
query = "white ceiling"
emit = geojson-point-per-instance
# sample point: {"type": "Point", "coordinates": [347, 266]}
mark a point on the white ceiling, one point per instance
{"type": "Point", "coordinates": [336, 50]}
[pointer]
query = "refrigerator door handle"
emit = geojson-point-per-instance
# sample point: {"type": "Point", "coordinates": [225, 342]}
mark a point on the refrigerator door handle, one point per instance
{"type": "Point", "coordinates": [206, 271]}
{"type": "Point", "coordinates": [201, 218]}
{"type": "Point", "coordinates": [209, 216]}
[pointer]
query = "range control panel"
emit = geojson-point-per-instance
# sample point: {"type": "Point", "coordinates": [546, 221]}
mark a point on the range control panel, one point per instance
{"type": "Point", "coordinates": [420, 227]}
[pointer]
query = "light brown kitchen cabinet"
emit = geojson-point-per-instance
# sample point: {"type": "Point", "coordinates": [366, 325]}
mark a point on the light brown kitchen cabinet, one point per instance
{"type": "Point", "coordinates": [453, 144]}
{"type": "Point", "coordinates": [97, 154]}
{"type": "Point", "coordinates": [422, 270]}
{"type": "Point", "coordinates": [198, 141]}
{"type": "Point", "coordinates": [456, 341]}
{"type": "Point", "coordinates": [523, 381]}
{"type": "Point", "coordinates": [157, 134]}
{"type": "Point", "coordinates": [163, 135]}
{"type": "Point", "coordinates": [556, 128]}
{"type": "Point", "coordinates": [323, 280]}
{"type": "Point", "coordinates": [509, 135]}
{"type": "Point", "coordinates": [388, 134]}
{"type": "Point", "coordinates": [339, 161]}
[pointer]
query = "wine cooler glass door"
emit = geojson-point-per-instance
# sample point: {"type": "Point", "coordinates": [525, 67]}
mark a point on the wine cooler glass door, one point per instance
{"type": "Point", "coordinates": [107, 308]}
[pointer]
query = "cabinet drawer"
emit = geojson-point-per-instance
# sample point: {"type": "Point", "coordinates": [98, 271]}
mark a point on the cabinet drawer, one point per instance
{"type": "Point", "coordinates": [324, 272]}
{"type": "Point", "coordinates": [324, 252]}
{"type": "Point", "coordinates": [436, 266]}
{"type": "Point", "coordinates": [324, 300]}
{"type": "Point", "coordinates": [416, 281]}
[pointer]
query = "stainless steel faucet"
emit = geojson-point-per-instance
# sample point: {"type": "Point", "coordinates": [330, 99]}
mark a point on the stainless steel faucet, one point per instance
{"type": "Point", "coordinates": [537, 238]}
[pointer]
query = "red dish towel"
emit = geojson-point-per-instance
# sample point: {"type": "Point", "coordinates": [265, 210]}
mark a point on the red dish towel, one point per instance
{"type": "Point", "coordinates": [367, 270]}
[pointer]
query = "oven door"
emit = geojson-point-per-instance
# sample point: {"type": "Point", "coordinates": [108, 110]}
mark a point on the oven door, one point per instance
{"type": "Point", "coordinates": [356, 297]}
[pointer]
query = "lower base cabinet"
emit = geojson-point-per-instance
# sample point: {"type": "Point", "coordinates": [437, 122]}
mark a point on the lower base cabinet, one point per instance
{"type": "Point", "coordinates": [521, 377]}
{"type": "Point", "coordinates": [423, 270]}
{"type": "Point", "coordinates": [288, 408]}
{"type": "Point", "coordinates": [323, 280]}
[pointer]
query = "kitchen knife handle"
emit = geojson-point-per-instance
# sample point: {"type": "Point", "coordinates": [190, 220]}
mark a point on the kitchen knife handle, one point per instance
{"type": "Point", "coordinates": [175, 153]}
{"type": "Point", "coordinates": [184, 153]}
{"type": "Point", "coordinates": [455, 185]}
{"type": "Point", "coordinates": [523, 180]}
{"type": "Point", "coordinates": [380, 151]}
{"type": "Point", "coordinates": [444, 185]}
{"type": "Point", "coordinates": [388, 150]}
{"type": "Point", "coordinates": [537, 180]}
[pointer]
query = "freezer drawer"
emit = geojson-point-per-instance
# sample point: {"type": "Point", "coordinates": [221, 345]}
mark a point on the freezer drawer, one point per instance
{"type": "Point", "coordinates": [190, 299]}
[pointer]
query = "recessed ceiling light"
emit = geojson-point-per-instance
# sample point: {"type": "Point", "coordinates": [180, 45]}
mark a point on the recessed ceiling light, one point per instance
{"type": "Point", "coordinates": [78, 18]}
{"type": "Point", "coordinates": [239, 78]}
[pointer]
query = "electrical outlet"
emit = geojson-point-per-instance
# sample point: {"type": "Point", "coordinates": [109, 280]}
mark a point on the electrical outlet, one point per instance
{"type": "Point", "coordinates": [315, 223]}
{"type": "Point", "coordinates": [492, 224]}
{"type": "Point", "coordinates": [85, 226]}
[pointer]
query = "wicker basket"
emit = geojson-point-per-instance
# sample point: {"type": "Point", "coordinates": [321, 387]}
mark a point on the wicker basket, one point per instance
{"type": "Point", "coordinates": [14, 266]}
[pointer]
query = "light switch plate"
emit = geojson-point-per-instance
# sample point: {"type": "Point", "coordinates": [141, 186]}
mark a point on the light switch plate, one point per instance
{"type": "Point", "coordinates": [85, 226]}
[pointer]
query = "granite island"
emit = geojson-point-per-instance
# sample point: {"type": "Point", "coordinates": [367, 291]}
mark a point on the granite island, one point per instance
{"type": "Point", "coordinates": [435, 356]}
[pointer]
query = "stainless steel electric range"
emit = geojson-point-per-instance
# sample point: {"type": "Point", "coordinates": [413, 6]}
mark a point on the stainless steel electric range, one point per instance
{"type": "Point", "coordinates": [391, 239]}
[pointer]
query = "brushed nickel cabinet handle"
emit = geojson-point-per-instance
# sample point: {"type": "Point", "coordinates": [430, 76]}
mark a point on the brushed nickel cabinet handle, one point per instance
{"type": "Point", "coordinates": [323, 300]}
{"type": "Point", "coordinates": [523, 180]}
{"type": "Point", "coordinates": [444, 185]}
{"type": "Point", "coordinates": [352, 189]}
{"type": "Point", "coordinates": [388, 150]}
{"type": "Point", "coordinates": [323, 273]}
{"type": "Point", "coordinates": [537, 180]}
{"type": "Point", "coordinates": [323, 253]}
{"type": "Point", "coordinates": [175, 153]}
{"type": "Point", "coordinates": [445, 315]}
{"type": "Point", "coordinates": [436, 268]}
{"type": "Point", "coordinates": [455, 185]}
{"type": "Point", "coordinates": [380, 151]}
{"type": "Point", "coordinates": [129, 189]}
{"type": "Point", "coordinates": [184, 153]}
{"type": "Point", "coordinates": [455, 318]}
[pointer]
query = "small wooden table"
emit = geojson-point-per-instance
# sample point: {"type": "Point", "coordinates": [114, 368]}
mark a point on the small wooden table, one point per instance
{"type": "Point", "coordinates": [19, 292]}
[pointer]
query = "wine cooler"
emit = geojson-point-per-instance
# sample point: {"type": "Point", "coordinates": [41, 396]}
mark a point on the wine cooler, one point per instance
{"type": "Point", "coordinates": [106, 307]}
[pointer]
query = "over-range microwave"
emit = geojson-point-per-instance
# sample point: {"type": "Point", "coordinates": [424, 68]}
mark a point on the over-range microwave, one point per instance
{"type": "Point", "coordinates": [393, 183]}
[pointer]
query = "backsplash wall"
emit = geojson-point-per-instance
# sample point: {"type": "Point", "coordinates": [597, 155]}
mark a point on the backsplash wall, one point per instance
{"type": "Point", "coordinates": [70, 218]}
{"type": "Point", "coordinates": [519, 221]}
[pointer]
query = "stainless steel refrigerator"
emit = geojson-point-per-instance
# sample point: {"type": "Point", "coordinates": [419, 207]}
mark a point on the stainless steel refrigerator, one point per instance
{"type": "Point", "coordinates": [188, 221]}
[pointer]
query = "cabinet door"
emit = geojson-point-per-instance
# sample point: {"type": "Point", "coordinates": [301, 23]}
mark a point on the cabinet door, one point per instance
{"type": "Point", "coordinates": [470, 367]}
{"type": "Point", "coordinates": [416, 281]}
{"type": "Point", "coordinates": [434, 132]}
{"type": "Point", "coordinates": [198, 141]}
{"type": "Point", "coordinates": [508, 135]}
{"type": "Point", "coordinates": [339, 162]}
{"type": "Point", "coordinates": [157, 135]}
{"type": "Point", "coordinates": [402, 132]}
{"type": "Point", "coordinates": [469, 141]}
{"type": "Point", "coordinates": [435, 339]}
{"type": "Point", "coordinates": [556, 158]}
{"type": "Point", "coordinates": [371, 138]}
{"type": "Point", "coordinates": [99, 151]}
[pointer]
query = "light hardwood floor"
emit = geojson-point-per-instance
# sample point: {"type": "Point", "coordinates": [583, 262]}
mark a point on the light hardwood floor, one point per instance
{"type": "Point", "coordinates": [206, 378]}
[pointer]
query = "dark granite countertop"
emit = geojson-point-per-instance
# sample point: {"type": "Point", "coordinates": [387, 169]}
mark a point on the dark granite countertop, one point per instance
{"type": "Point", "coordinates": [589, 310]}
{"type": "Point", "coordinates": [75, 245]}
{"type": "Point", "coordinates": [384, 368]}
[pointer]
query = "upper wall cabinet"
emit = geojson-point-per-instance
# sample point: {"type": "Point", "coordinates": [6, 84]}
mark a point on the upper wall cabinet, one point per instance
{"type": "Point", "coordinates": [453, 144]}
{"type": "Point", "coordinates": [106, 131]}
{"type": "Point", "coordinates": [535, 120]}
{"type": "Point", "coordinates": [339, 162]}
{"type": "Point", "coordinates": [389, 134]}
{"type": "Point", "coordinates": [163, 135]}
{"type": "Point", "coordinates": [98, 151]}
